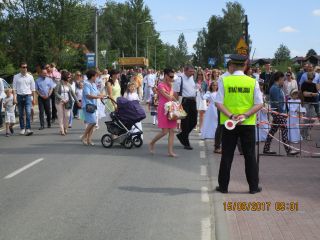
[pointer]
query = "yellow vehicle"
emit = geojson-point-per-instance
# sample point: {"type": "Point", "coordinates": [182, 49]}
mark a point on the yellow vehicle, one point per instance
{"type": "Point", "coordinates": [133, 61]}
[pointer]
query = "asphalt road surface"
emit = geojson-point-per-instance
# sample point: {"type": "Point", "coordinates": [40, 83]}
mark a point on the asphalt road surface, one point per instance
{"type": "Point", "coordinates": [53, 187]}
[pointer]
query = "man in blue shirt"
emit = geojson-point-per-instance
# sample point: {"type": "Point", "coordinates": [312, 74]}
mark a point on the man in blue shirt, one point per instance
{"type": "Point", "coordinates": [44, 87]}
{"type": "Point", "coordinates": [277, 101]}
{"type": "Point", "coordinates": [304, 77]}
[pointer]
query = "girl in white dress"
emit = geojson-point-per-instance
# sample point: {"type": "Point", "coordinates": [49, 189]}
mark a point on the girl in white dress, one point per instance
{"type": "Point", "coordinates": [131, 94]}
{"type": "Point", "coordinates": [262, 116]}
{"type": "Point", "coordinates": [211, 116]}
{"type": "Point", "coordinates": [295, 109]}
{"type": "Point", "coordinates": [201, 87]}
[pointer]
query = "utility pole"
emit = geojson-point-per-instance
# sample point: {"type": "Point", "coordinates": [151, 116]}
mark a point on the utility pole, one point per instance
{"type": "Point", "coordinates": [246, 25]}
{"type": "Point", "coordinates": [96, 37]}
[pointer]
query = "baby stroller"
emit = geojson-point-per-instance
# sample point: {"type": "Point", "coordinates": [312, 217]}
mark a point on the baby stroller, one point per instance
{"type": "Point", "coordinates": [126, 116]}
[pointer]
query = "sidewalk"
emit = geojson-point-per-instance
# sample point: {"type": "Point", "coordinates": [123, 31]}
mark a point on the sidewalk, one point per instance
{"type": "Point", "coordinates": [283, 179]}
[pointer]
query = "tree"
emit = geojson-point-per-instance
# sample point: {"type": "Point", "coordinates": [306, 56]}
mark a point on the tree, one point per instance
{"type": "Point", "coordinates": [199, 47]}
{"type": "Point", "coordinates": [221, 36]}
{"type": "Point", "coordinates": [311, 52]}
{"type": "Point", "coordinates": [282, 54]}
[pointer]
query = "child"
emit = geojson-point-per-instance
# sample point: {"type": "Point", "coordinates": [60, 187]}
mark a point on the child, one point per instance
{"type": "Point", "coordinates": [154, 104]}
{"type": "Point", "coordinates": [131, 94]}
{"type": "Point", "coordinates": [9, 112]}
{"type": "Point", "coordinates": [211, 116]}
{"type": "Point", "coordinates": [293, 121]}
{"type": "Point", "coordinates": [79, 91]}
{"type": "Point", "coordinates": [262, 116]}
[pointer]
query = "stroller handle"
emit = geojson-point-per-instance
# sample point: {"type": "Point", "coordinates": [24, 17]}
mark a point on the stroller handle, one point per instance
{"type": "Point", "coordinates": [107, 97]}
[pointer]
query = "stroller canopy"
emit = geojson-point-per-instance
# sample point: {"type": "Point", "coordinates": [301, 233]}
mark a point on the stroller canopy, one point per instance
{"type": "Point", "coordinates": [130, 112]}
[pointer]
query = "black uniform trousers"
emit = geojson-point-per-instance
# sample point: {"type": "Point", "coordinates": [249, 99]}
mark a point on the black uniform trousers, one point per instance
{"type": "Point", "coordinates": [247, 136]}
{"type": "Point", "coordinates": [190, 122]}
{"type": "Point", "coordinates": [53, 106]}
{"type": "Point", "coordinates": [44, 108]}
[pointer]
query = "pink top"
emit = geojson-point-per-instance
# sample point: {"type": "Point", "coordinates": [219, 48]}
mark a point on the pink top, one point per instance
{"type": "Point", "coordinates": [163, 121]}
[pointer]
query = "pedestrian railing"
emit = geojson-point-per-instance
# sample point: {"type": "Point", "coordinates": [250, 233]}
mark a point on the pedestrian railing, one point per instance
{"type": "Point", "coordinates": [299, 120]}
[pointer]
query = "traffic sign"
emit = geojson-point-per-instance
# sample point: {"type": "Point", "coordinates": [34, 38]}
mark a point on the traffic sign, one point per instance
{"type": "Point", "coordinates": [212, 61]}
{"type": "Point", "coordinates": [242, 47]}
{"type": "Point", "coordinates": [226, 59]}
{"type": "Point", "coordinates": [91, 60]}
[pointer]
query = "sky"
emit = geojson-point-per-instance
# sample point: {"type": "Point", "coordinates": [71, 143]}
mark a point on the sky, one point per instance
{"type": "Point", "coordinates": [294, 23]}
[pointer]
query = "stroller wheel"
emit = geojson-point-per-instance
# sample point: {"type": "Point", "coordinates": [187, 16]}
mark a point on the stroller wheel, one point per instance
{"type": "Point", "coordinates": [137, 141]}
{"type": "Point", "coordinates": [107, 141]}
{"type": "Point", "coordinates": [127, 143]}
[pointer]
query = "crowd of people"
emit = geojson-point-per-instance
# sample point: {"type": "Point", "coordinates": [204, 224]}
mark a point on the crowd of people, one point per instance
{"type": "Point", "coordinates": [63, 96]}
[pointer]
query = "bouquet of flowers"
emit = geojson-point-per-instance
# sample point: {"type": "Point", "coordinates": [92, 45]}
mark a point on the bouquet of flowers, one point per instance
{"type": "Point", "coordinates": [174, 111]}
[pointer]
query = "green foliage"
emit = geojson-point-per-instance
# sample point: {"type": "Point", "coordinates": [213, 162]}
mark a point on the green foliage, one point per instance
{"type": "Point", "coordinates": [221, 36]}
{"type": "Point", "coordinates": [60, 31]}
{"type": "Point", "coordinates": [311, 52]}
{"type": "Point", "coordinates": [282, 54]}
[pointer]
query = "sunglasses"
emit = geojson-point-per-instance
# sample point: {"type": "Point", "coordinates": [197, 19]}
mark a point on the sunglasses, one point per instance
{"type": "Point", "coordinates": [24, 66]}
{"type": "Point", "coordinates": [171, 76]}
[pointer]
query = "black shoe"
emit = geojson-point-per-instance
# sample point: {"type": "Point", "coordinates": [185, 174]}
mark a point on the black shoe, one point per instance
{"type": "Point", "coordinates": [269, 152]}
{"type": "Point", "coordinates": [292, 153]}
{"type": "Point", "coordinates": [11, 130]}
{"type": "Point", "coordinates": [180, 139]}
{"type": "Point", "coordinates": [41, 128]}
{"type": "Point", "coordinates": [7, 135]}
{"type": "Point", "coordinates": [188, 147]}
{"type": "Point", "coordinates": [221, 190]}
{"type": "Point", "coordinates": [259, 189]}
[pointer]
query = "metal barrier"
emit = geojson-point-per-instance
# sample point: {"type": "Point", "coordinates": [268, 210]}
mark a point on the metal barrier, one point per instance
{"type": "Point", "coordinates": [300, 119]}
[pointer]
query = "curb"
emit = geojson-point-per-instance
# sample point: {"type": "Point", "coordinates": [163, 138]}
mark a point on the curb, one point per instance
{"type": "Point", "coordinates": [219, 216]}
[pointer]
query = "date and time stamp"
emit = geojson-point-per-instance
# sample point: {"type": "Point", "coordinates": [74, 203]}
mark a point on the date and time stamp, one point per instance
{"type": "Point", "coordinates": [257, 206]}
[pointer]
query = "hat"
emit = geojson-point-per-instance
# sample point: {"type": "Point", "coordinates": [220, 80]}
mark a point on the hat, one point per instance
{"type": "Point", "coordinates": [294, 91]}
{"type": "Point", "coordinates": [238, 59]}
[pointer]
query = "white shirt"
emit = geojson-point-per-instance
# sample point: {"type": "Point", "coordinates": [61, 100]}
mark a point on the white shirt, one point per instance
{"type": "Point", "coordinates": [150, 80]}
{"type": "Point", "coordinates": [220, 96]}
{"type": "Point", "coordinates": [189, 86]}
{"type": "Point", "coordinates": [132, 96]}
{"type": "Point", "coordinates": [65, 92]}
{"type": "Point", "coordinates": [79, 93]}
{"type": "Point", "coordinates": [2, 94]}
{"type": "Point", "coordinates": [23, 84]}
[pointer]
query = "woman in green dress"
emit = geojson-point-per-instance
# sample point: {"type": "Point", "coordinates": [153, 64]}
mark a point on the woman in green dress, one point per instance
{"type": "Point", "coordinates": [113, 90]}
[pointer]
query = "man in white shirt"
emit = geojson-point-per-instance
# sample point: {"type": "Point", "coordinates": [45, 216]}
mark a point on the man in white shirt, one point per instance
{"type": "Point", "coordinates": [2, 96]}
{"type": "Point", "coordinates": [186, 87]}
{"type": "Point", "coordinates": [23, 88]}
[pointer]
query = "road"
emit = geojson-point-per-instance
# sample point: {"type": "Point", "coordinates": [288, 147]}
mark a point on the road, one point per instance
{"type": "Point", "coordinates": [72, 191]}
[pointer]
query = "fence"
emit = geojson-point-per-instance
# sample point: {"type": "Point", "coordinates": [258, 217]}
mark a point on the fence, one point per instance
{"type": "Point", "coordinates": [297, 119]}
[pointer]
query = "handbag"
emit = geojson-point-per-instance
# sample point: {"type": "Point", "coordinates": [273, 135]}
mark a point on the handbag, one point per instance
{"type": "Point", "coordinates": [174, 111]}
{"type": "Point", "coordinates": [90, 108]}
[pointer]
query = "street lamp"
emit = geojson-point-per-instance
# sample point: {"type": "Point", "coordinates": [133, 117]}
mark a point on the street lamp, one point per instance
{"type": "Point", "coordinates": [147, 21]}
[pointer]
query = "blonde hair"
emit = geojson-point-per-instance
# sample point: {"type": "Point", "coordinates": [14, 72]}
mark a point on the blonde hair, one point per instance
{"type": "Point", "coordinates": [131, 84]}
{"type": "Point", "coordinates": [8, 90]}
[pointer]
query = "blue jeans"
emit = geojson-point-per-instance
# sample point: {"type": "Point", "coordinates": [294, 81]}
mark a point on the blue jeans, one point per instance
{"type": "Point", "coordinates": [24, 106]}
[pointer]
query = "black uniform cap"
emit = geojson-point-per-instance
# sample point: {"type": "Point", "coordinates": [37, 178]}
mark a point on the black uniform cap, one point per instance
{"type": "Point", "coordinates": [238, 59]}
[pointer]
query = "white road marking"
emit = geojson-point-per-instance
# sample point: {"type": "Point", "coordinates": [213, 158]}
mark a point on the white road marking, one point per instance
{"type": "Point", "coordinates": [202, 154]}
{"type": "Point", "coordinates": [203, 170]}
{"type": "Point", "coordinates": [204, 195]}
{"type": "Point", "coordinates": [23, 168]}
{"type": "Point", "coordinates": [201, 143]}
{"type": "Point", "coordinates": [205, 229]}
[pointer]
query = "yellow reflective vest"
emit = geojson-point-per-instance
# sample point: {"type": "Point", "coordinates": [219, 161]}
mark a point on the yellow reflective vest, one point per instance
{"type": "Point", "coordinates": [238, 97]}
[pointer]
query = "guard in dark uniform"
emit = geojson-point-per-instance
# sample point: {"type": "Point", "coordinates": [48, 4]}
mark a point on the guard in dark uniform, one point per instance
{"type": "Point", "coordinates": [239, 97]}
